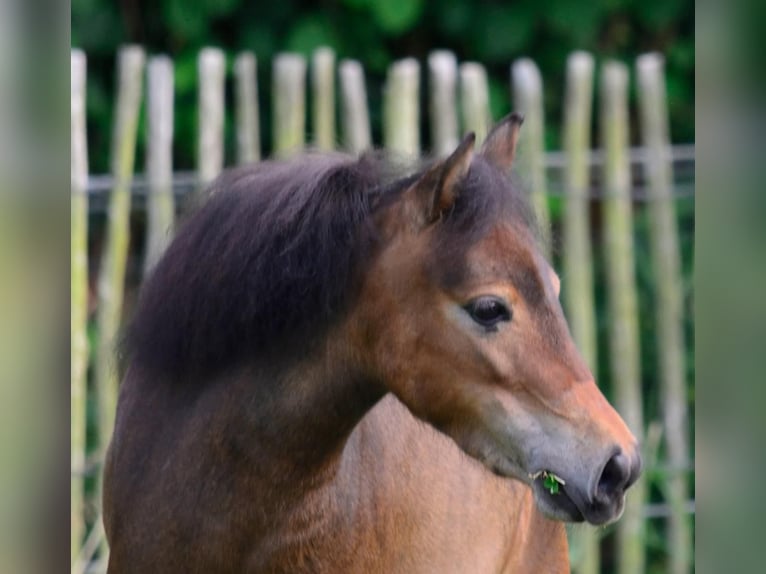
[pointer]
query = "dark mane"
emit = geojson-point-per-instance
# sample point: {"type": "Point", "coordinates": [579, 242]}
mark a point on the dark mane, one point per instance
{"type": "Point", "coordinates": [271, 258]}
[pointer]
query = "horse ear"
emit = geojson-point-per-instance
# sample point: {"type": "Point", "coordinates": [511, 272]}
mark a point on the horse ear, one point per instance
{"type": "Point", "coordinates": [437, 189]}
{"type": "Point", "coordinates": [500, 146]}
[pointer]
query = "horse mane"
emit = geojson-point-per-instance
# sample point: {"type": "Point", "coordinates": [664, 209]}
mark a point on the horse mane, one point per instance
{"type": "Point", "coordinates": [270, 259]}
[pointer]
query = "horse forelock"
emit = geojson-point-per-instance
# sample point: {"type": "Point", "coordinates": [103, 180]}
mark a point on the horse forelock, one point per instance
{"type": "Point", "coordinates": [487, 197]}
{"type": "Point", "coordinates": [271, 259]}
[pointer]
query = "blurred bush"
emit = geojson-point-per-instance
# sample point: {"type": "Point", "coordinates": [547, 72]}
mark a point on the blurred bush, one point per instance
{"type": "Point", "coordinates": [377, 32]}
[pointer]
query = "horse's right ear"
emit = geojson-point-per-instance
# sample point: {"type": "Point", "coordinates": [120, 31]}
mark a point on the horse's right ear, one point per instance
{"type": "Point", "coordinates": [500, 146]}
{"type": "Point", "coordinates": [435, 192]}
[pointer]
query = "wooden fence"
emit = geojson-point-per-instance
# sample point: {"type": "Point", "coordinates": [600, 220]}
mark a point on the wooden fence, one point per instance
{"type": "Point", "coordinates": [457, 102]}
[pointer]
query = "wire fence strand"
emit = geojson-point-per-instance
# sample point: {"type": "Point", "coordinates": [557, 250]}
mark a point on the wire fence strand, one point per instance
{"type": "Point", "coordinates": [683, 157]}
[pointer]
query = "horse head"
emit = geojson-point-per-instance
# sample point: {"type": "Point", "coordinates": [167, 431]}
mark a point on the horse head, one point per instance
{"type": "Point", "coordinates": [461, 320]}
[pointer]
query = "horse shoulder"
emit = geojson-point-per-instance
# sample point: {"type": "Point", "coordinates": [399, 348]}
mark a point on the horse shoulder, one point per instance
{"type": "Point", "coordinates": [423, 505]}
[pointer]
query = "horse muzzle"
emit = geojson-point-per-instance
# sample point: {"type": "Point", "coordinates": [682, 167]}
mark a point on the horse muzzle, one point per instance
{"type": "Point", "coordinates": [598, 499]}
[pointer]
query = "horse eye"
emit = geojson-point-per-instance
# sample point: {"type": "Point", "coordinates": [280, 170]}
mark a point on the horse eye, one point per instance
{"type": "Point", "coordinates": [488, 311]}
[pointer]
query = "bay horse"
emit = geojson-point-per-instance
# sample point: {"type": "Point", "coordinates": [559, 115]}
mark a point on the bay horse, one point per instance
{"type": "Point", "coordinates": [335, 368]}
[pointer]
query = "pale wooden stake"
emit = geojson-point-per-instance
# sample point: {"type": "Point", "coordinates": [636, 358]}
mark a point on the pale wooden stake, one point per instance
{"type": "Point", "coordinates": [79, 299]}
{"type": "Point", "coordinates": [528, 99]}
{"type": "Point", "coordinates": [577, 283]}
{"type": "Point", "coordinates": [323, 92]}
{"type": "Point", "coordinates": [356, 117]}
{"type": "Point", "coordinates": [669, 306]}
{"type": "Point", "coordinates": [289, 104]}
{"type": "Point", "coordinates": [401, 108]}
{"type": "Point", "coordinates": [111, 281]}
{"type": "Point", "coordinates": [211, 69]}
{"type": "Point", "coordinates": [442, 69]}
{"type": "Point", "coordinates": [247, 118]}
{"type": "Point", "coordinates": [159, 159]}
{"type": "Point", "coordinates": [625, 359]}
{"type": "Point", "coordinates": [474, 100]}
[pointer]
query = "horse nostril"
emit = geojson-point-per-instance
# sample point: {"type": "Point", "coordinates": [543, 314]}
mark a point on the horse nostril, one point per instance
{"type": "Point", "coordinates": [614, 477]}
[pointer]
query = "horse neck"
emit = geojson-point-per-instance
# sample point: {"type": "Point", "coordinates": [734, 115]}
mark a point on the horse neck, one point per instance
{"type": "Point", "coordinates": [304, 410]}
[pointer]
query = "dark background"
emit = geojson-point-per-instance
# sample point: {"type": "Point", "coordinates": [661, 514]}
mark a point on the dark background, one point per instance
{"type": "Point", "coordinates": [377, 32]}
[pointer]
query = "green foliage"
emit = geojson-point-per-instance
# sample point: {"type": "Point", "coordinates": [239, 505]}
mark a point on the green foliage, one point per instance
{"type": "Point", "coordinates": [377, 32]}
{"type": "Point", "coordinates": [396, 16]}
{"type": "Point", "coordinates": [311, 31]}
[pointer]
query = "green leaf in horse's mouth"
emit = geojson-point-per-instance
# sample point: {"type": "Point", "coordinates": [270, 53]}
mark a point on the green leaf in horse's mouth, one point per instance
{"type": "Point", "coordinates": [551, 482]}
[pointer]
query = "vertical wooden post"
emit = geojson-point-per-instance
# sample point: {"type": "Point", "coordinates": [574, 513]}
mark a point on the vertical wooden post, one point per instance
{"type": "Point", "coordinates": [356, 117]}
{"type": "Point", "coordinates": [669, 307]}
{"type": "Point", "coordinates": [442, 69]}
{"type": "Point", "coordinates": [79, 298]}
{"type": "Point", "coordinates": [247, 117]}
{"type": "Point", "coordinates": [401, 108]}
{"type": "Point", "coordinates": [528, 99]}
{"type": "Point", "coordinates": [289, 101]}
{"type": "Point", "coordinates": [323, 96]}
{"type": "Point", "coordinates": [211, 68]}
{"type": "Point", "coordinates": [623, 299]}
{"type": "Point", "coordinates": [111, 281]}
{"type": "Point", "coordinates": [577, 284]}
{"type": "Point", "coordinates": [159, 159]}
{"type": "Point", "coordinates": [474, 100]}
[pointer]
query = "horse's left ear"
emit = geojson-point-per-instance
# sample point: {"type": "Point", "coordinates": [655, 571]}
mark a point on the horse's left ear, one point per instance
{"type": "Point", "coordinates": [500, 146]}
{"type": "Point", "coordinates": [437, 189]}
